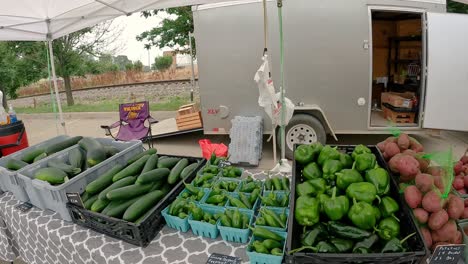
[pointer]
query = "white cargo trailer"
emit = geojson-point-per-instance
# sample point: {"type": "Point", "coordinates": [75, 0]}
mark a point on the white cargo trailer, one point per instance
{"type": "Point", "coordinates": [340, 56]}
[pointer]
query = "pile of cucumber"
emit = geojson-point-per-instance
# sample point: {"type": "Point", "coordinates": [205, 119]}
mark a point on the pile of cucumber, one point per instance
{"type": "Point", "coordinates": [32, 156]}
{"type": "Point", "coordinates": [89, 153]}
{"type": "Point", "coordinates": [130, 192]}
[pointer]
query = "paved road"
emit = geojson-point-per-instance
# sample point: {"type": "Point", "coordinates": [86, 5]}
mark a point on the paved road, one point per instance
{"type": "Point", "coordinates": [42, 126]}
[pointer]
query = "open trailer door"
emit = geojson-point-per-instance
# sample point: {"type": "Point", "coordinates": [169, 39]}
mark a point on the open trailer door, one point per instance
{"type": "Point", "coordinates": [447, 72]}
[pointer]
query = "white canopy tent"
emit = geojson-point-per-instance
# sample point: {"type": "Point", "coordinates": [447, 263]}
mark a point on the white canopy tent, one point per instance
{"type": "Point", "coordinates": [46, 20]}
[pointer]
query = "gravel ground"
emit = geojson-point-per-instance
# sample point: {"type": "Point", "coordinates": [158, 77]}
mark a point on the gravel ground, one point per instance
{"type": "Point", "coordinates": [151, 92]}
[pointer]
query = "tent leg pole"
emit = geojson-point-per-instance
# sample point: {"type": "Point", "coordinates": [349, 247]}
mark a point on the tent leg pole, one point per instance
{"type": "Point", "coordinates": [54, 78]}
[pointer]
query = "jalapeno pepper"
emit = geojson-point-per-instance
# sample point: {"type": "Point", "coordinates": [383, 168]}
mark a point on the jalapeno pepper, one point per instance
{"type": "Point", "coordinates": [237, 219]}
{"type": "Point", "coordinates": [277, 183]}
{"type": "Point", "coordinates": [264, 233]}
{"type": "Point", "coordinates": [277, 252]}
{"type": "Point", "coordinates": [245, 200]}
{"type": "Point", "coordinates": [271, 244]}
{"type": "Point", "coordinates": [236, 202]}
{"type": "Point", "coordinates": [259, 247]}
{"type": "Point", "coordinates": [254, 195]}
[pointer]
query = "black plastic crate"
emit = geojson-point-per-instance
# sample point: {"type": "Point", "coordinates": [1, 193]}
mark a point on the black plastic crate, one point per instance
{"type": "Point", "coordinates": [417, 250]}
{"type": "Point", "coordinates": [141, 234]}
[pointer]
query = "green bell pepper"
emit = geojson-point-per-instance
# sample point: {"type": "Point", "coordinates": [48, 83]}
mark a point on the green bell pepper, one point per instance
{"type": "Point", "coordinates": [342, 245]}
{"type": "Point", "coordinates": [328, 153]}
{"type": "Point", "coordinates": [346, 160]}
{"type": "Point", "coordinates": [348, 232]}
{"type": "Point", "coordinates": [388, 206]}
{"type": "Point", "coordinates": [336, 207]}
{"type": "Point", "coordinates": [311, 237]}
{"type": "Point", "coordinates": [322, 198]}
{"type": "Point", "coordinates": [307, 211]}
{"type": "Point", "coordinates": [365, 161]}
{"type": "Point", "coordinates": [330, 167]}
{"type": "Point", "coordinates": [362, 191]}
{"type": "Point", "coordinates": [320, 185]}
{"type": "Point", "coordinates": [364, 246]}
{"type": "Point", "coordinates": [362, 215]}
{"type": "Point", "coordinates": [305, 188]}
{"type": "Point", "coordinates": [347, 176]}
{"type": "Point", "coordinates": [312, 171]}
{"type": "Point", "coordinates": [360, 149]}
{"type": "Point", "coordinates": [394, 245]}
{"type": "Point", "coordinates": [377, 212]}
{"type": "Point", "coordinates": [388, 228]}
{"type": "Point", "coordinates": [380, 178]}
{"type": "Point", "coordinates": [303, 154]}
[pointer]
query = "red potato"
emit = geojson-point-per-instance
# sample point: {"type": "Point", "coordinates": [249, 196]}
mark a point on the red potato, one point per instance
{"type": "Point", "coordinates": [394, 161]}
{"type": "Point", "coordinates": [464, 159]}
{"type": "Point", "coordinates": [423, 163]}
{"type": "Point", "coordinates": [421, 215]}
{"type": "Point", "coordinates": [435, 171]}
{"type": "Point", "coordinates": [424, 182]}
{"type": "Point", "coordinates": [391, 139]}
{"type": "Point", "coordinates": [409, 151]}
{"type": "Point", "coordinates": [438, 182]}
{"type": "Point", "coordinates": [432, 202]}
{"type": "Point", "coordinates": [408, 166]}
{"type": "Point", "coordinates": [458, 167]}
{"type": "Point", "coordinates": [403, 141]}
{"type": "Point", "coordinates": [466, 203]}
{"type": "Point", "coordinates": [455, 207]}
{"type": "Point", "coordinates": [465, 169]}
{"type": "Point", "coordinates": [391, 149]}
{"type": "Point", "coordinates": [457, 239]}
{"type": "Point", "coordinates": [427, 236]}
{"type": "Point", "coordinates": [413, 196]}
{"type": "Point", "coordinates": [462, 191]}
{"type": "Point", "coordinates": [415, 145]}
{"type": "Point", "coordinates": [458, 183]}
{"type": "Point", "coordinates": [446, 232]}
{"type": "Point", "coordinates": [381, 146]}
{"type": "Point", "coordinates": [465, 181]}
{"type": "Point", "coordinates": [437, 220]}
{"type": "Point", "coordinates": [465, 213]}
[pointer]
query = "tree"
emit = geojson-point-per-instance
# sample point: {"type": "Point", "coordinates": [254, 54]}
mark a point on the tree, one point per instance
{"type": "Point", "coordinates": [138, 66]}
{"type": "Point", "coordinates": [454, 7]}
{"type": "Point", "coordinates": [129, 66]}
{"type": "Point", "coordinates": [162, 63]}
{"type": "Point", "coordinates": [122, 61]}
{"type": "Point", "coordinates": [173, 32]}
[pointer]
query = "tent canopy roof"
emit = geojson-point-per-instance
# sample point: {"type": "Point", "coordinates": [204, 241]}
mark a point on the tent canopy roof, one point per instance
{"type": "Point", "coordinates": [39, 20]}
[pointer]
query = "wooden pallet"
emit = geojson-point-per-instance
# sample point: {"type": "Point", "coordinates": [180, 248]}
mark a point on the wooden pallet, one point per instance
{"type": "Point", "coordinates": [189, 121]}
{"type": "Point", "coordinates": [399, 117]}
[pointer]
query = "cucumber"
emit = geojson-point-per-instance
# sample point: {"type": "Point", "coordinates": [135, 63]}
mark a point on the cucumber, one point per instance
{"type": "Point", "coordinates": [175, 172]}
{"type": "Point", "coordinates": [41, 156]}
{"type": "Point", "coordinates": [188, 170]}
{"type": "Point", "coordinates": [108, 207]}
{"type": "Point", "coordinates": [138, 156]}
{"type": "Point", "coordinates": [103, 181]}
{"type": "Point", "coordinates": [132, 169]}
{"type": "Point", "coordinates": [88, 144]}
{"type": "Point", "coordinates": [129, 192]}
{"type": "Point", "coordinates": [30, 155]}
{"type": "Point", "coordinates": [142, 206]}
{"type": "Point", "coordinates": [153, 176]}
{"type": "Point", "coordinates": [62, 145]}
{"type": "Point", "coordinates": [76, 157]}
{"type": "Point", "coordinates": [51, 175]}
{"type": "Point", "coordinates": [95, 156]}
{"type": "Point", "coordinates": [69, 169]}
{"type": "Point", "coordinates": [85, 196]}
{"type": "Point", "coordinates": [119, 184]}
{"type": "Point", "coordinates": [166, 188]}
{"type": "Point", "coordinates": [14, 164]}
{"type": "Point", "coordinates": [99, 205]}
{"type": "Point", "coordinates": [168, 162]}
{"type": "Point", "coordinates": [89, 202]}
{"type": "Point", "coordinates": [118, 208]}
{"type": "Point", "coordinates": [158, 185]}
{"type": "Point", "coordinates": [151, 163]}
{"type": "Point", "coordinates": [111, 150]}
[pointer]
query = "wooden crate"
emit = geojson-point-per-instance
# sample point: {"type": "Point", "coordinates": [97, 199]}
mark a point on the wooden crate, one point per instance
{"type": "Point", "coordinates": [187, 109]}
{"type": "Point", "coordinates": [189, 121]}
{"type": "Point", "coordinates": [398, 117]}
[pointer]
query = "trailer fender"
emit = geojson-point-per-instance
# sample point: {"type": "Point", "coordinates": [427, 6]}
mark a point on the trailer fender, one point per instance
{"type": "Point", "coordinates": [316, 111]}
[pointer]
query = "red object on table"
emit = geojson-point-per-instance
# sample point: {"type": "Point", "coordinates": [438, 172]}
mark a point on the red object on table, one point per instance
{"type": "Point", "coordinates": [13, 137]}
{"type": "Point", "coordinates": [220, 150]}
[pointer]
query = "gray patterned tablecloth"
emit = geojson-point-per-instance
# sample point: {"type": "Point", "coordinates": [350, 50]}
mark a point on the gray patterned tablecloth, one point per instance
{"type": "Point", "coordinates": [39, 236]}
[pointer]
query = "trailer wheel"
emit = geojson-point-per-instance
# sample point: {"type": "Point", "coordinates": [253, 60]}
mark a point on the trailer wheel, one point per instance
{"type": "Point", "coordinates": [302, 129]}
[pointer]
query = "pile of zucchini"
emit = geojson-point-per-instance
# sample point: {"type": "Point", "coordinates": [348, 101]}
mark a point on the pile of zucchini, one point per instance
{"type": "Point", "coordinates": [89, 153]}
{"type": "Point", "coordinates": [130, 192]}
{"type": "Point", "coordinates": [32, 156]}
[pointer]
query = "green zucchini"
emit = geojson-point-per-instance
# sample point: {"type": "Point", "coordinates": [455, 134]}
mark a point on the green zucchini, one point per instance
{"type": "Point", "coordinates": [69, 169]}
{"type": "Point", "coordinates": [132, 169]}
{"type": "Point", "coordinates": [95, 156]}
{"type": "Point", "coordinates": [103, 181]}
{"type": "Point", "coordinates": [118, 184]}
{"type": "Point", "coordinates": [117, 208]}
{"type": "Point", "coordinates": [111, 150]}
{"type": "Point", "coordinates": [128, 192]}
{"type": "Point", "coordinates": [99, 205]}
{"type": "Point", "coordinates": [175, 172]}
{"type": "Point", "coordinates": [85, 196]}
{"type": "Point", "coordinates": [142, 206]}
{"type": "Point", "coordinates": [151, 163]}
{"type": "Point", "coordinates": [169, 162]}
{"type": "Point", "coordinates": [88, 144]}
{"type": "Point", "coordinates": [30, 155]}
{"type": "Point", "coordinates": [62, 145]}
{"type": "Point", "coordinates": [188, 170]}
{"type": "Point", "coordinates": [153, 176]}
{"type": "Point", "coordinates": [51, 175]}
{"type": "Point", "coordinates": [14, 164]}
{"type": "Point", "coordinates": [41, 156]}
{"type": "Point", "coordinates": [89, 202]}
{"type": "Point", "coordinates": [150, 151]}
{"type": "Point", "coordinates": [76, 157]}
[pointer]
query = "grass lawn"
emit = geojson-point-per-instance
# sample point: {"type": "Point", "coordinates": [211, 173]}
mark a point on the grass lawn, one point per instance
{"type": "Point", "coordinates": [171, 104]}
